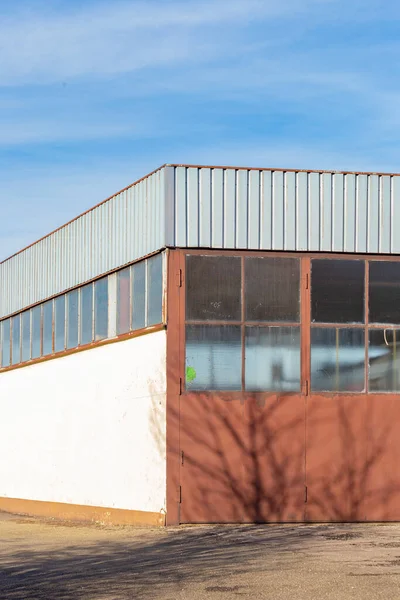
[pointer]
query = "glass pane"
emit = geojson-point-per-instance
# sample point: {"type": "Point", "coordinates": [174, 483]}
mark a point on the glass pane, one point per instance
{"type": "Point", "coordinates": [26, 336]}
{"type": "Point", "coordinates": [337, 360]}
{"type": "Point", "coordinates": [273, 359]}
{"type": "Point", "coordinates": [123, 301]}
{"type": "Point", "coordinates": [139, 295]}
{"type": "Point", "coordinates": [36, 326]}
{"type": "Point", "coordinates": [213, 357]}
{"type": "Point", "coordinates": [16, 340]}
{"type": "Point", "coordinates": [72, 319]}
{"type": "Point", "coordinates": [384, 292]}
{"type": "Point", "coordinates": [272, 289]}
{"type": "Point", "coordinates": [155, 290]}
{"type": "Point", "coordinates": [337, 291]}
{"type": "Point", "coordinates": [213, 288]}
{"type": "Point", "coordinates": [59, 339]}
{"type": "Point", "coordinates": [101, 309]}
{"type": "Point", "coordinates": [48, 328]}
{"type": "Point", "coordinates": [86, 314]}
{"type": "Point", "coordinates": [384, 360]}
{"type": "Point", "coordinates": [5, 343]}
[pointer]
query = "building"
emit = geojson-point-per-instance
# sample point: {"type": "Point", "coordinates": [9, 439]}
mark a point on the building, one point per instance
{"type": "Point", "coordinates": [211, 344]}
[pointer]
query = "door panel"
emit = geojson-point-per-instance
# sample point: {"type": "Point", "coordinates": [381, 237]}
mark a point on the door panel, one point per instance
{"type": "Point", "coordinates": [352, 457]}
{"type": "Point", "coordinates": [243, 459]}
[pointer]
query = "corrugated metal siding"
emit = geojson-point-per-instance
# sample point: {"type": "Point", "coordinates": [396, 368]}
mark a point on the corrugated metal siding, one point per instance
{"type": "Point", "coordinates": [283, 210]}
{"type": "Point", "coordinates": [128, 226]}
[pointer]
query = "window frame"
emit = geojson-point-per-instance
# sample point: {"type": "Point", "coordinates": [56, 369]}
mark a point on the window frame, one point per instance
{"type": "Point", "coordinates": [305, 324]}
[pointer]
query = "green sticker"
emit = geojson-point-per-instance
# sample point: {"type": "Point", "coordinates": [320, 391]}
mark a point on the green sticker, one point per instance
{"type": "Point", "coordinates": [190, 374]}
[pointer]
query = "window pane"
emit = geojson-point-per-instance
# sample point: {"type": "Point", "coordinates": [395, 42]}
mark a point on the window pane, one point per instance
{"type": "Point", "coordinates": [16, 340]}
{"type": "Point", "coordinates": [384, 292]}
{"type": "Point", "coordinates": [384, 356]}
{"type": "Point", "coordinates": [213, 357]}
{"type": "Point", "coordinates": [59, 340]}
{"type": "Point", "coordinates": [5, 343]}
{"type": "Point", "coordinates": [123, 301]}
{"type": "Point", "coordinates": [272, 291]}
{"type": "Point", "coordinates": [26, 336]}
{"type": "Point", "coordinates": [155, 290]}
{"type": "Point", "coordinates": [139, 295]}
{"type": "Point", "coordinates": [72, 319]}
{"type": "Point", "coordinates": [101, 309]}
{"type": "Point", "coordinates": [36, 326]}
{"type": "Point", "coordinates": [48, 328]}
{"type": "Point", "coordinates": [337, 291]}
{"type": "Point", "coordinates": [213, 288]}
{"type": "Point", "coordinates": [337, 360]}
{"type": "Point", "coordinates": [86, 314]}
{"type": "Point", "coordinates": [273, 359]}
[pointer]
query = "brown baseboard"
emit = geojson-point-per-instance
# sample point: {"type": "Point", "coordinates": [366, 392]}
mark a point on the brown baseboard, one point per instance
{"type": "Point", "coordinates": [77, 512]}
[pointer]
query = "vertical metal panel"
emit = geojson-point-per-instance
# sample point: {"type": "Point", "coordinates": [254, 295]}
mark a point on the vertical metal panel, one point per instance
{"type": "Point", "coordinates": [217, 208]}
{"type": "Point", "coordinates": [314, 233]}
{"type": "Point", "coordinates": [278, 221]}
{"type": "Point", "coordinates": [253, 233]}
{"type": "Point", "coordinates": [384, 215]}
{"type": "Point", "coordinates": [230, 209]}
{"type": "Point", "coordinates": [266, 210]}
{"type": "Point", "coordinates": [302, 211]}
{"type": "Point", "coordinates": [362, 213]}
{"type": "Point", "coordinates": [349, 213]}
{"type": "Point", "coordinates": [395, 213]}
{"type": "Point", "coordinates": [181, 207]}
{"type": "Point", "coordinates": [290, 211]}
{"type": "Point", "coordinates": [337, 213]}
{"type": "Point", "coordinates": [205, 207]}
{"type": "Point", "coordinates": [193, 207]}
{"type": "Point", "coordinates": [242, 209]}
{"type": "Point", "coordinates": [373, 214]}
{"type": "Point", "coordinates": [326, 212]}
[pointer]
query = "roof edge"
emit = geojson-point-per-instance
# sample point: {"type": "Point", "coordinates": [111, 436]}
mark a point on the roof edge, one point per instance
{"type": "Point", "coordinates": [280, 170]}
{"type": "Point", "coordinates": [82, 214]}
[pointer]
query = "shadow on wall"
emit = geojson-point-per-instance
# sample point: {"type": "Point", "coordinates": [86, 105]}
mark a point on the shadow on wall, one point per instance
{"type": "Point", "coordinates": [285, 458]}
{"type": "Point", "coordinates": [139, 565]}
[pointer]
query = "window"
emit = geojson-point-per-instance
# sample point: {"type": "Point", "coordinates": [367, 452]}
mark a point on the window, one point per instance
{"type": "Point", "coordinates": [237, 354]}
{"type": "Point", "coordinates": [124, 301]}
{"type": "Point", "coordinates": [26, 336]}
{"type": "Point", "coordinates": [36, 318]}
{"type": "Point", "coordinates": [72, 319]}
{"type": "Point", "coordinates": [16, 340]}
{"type": "Point", "coordinates": [48, 327]}
{"type": "Point", "coordinates": [213, 288]}
{"type": "Point", "coordinates": [337, 359]}
{"type": "Point", "coordinates": [213, 357]}
{"type": "Point", "coordinates": [86, 315]}
{"type": "Point", "coordinates": [155, 289]}
{"type": "Point", "coordinates": [384, 358]}
{"type": "Point", "coordinates": [5, 343]}
{"type": "Point", "coordinates": [384, 292]}
{"type": "Point", "coordinates": [337, 291]}
{"type": "Point", "coordinates": [272, 289]}
{"type": "Point", "coordinates": [273, 359]}
{"type": "Point", "coordinates": [139, 295]}
{"type": "Point", "coordinates": [59, 334]}
{"type": "Point", "coordinates": [101, 309]}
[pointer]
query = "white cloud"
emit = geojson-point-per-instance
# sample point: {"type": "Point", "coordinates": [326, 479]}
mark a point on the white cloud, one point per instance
{"type": "Point", "coordinates": [125, 36]}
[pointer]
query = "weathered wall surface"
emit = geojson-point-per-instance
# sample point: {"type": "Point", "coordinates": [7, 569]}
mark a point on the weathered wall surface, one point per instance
{"type": "Point", "coordinates": [88, 428]}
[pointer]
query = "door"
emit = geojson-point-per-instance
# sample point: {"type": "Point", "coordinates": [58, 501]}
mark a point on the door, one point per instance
{"type": "Point", "coordinates": [241, 398]}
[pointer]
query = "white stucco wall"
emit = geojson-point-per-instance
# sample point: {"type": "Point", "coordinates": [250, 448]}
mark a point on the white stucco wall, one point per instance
{"type": "Point", "coordinates": [88, 428]}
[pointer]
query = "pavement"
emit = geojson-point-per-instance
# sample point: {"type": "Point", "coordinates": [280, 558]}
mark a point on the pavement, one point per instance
{"type": "Point", "coordinates": [43, 559]}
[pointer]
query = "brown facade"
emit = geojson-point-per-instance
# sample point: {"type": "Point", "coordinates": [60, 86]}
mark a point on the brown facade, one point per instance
{"type": "Point", "coordinates": [305, 455]}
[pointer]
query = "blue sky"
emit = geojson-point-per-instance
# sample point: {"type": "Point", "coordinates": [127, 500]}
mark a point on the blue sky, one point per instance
{"type": "Point", "coordinates": [94, 94]}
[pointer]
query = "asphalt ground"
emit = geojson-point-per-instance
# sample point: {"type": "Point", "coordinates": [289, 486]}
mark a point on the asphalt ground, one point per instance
{"type": "Point", "coordinates": [42, 559]}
